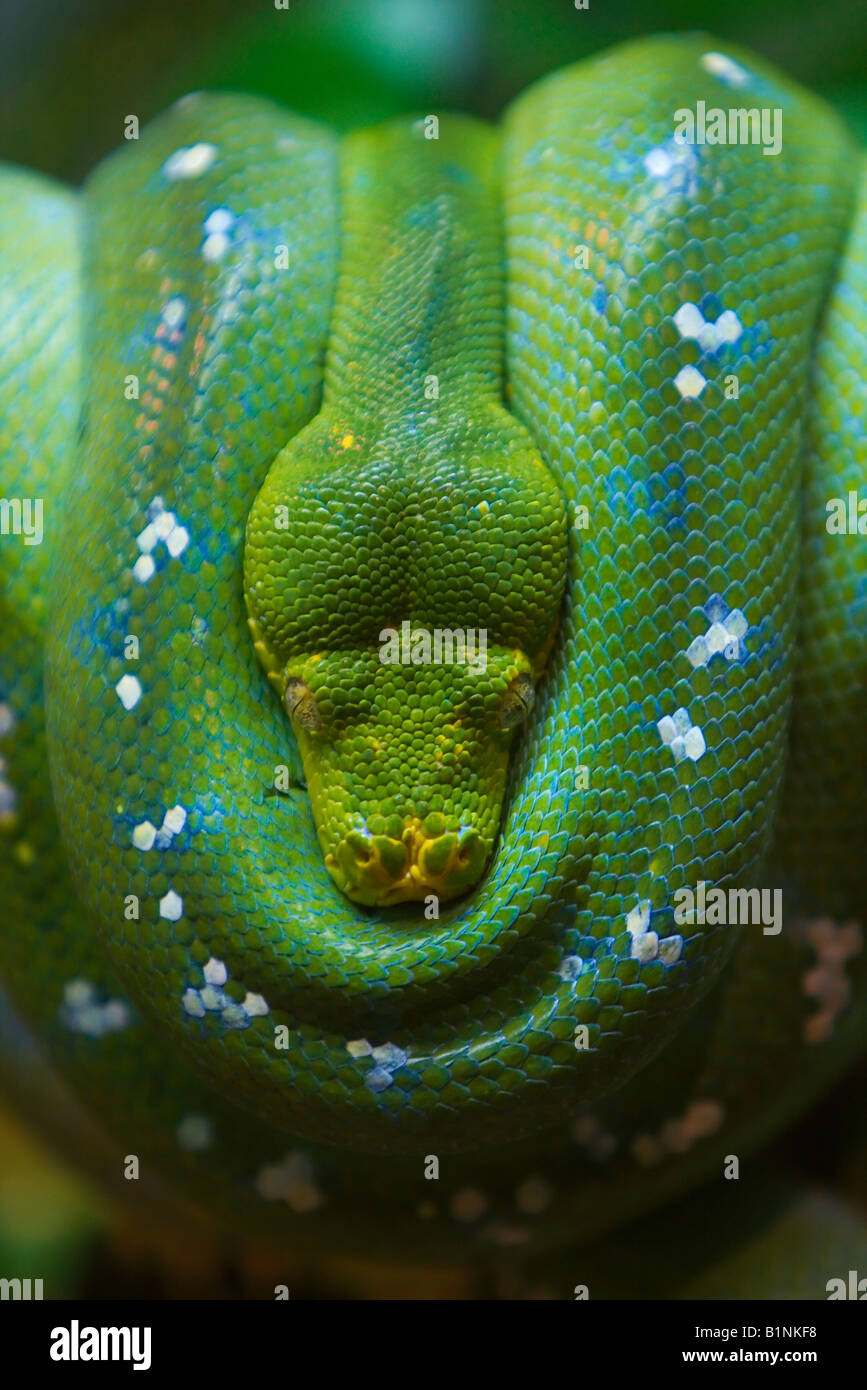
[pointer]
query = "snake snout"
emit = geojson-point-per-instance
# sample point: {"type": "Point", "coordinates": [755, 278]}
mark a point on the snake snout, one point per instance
{"type": "Point", "coordinates": [427, 859]}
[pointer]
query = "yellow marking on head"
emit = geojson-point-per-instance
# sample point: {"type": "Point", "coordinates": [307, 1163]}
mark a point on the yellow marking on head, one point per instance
{"type": "Point", "coordinates": [347, 441]}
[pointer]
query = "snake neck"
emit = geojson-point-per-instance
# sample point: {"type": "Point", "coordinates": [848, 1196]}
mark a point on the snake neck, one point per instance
{"type": "Point", "coordinates": [417, 329]}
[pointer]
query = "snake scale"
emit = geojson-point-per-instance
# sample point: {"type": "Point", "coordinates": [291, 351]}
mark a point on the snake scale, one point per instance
{"type": "Point", "coordinates": [384, 956]}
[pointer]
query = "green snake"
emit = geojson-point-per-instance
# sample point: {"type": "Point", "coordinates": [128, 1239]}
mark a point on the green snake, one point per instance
{"type": "Point", "coordinates": [382, 954]}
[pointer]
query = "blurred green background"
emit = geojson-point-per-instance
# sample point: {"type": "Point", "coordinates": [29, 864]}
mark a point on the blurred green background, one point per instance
{"type": "Point", "coordinates": [70, 70]}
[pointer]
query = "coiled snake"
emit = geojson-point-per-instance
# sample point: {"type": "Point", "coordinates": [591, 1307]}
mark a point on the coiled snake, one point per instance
{"type": "Point", "coordinates": [574, 383]}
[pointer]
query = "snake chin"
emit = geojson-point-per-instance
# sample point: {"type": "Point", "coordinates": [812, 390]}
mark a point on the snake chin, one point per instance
{"type": "Point", "coordinates": [381, 870]}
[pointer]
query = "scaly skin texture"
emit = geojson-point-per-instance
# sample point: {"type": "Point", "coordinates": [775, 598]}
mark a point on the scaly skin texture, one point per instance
{"type": "Point", "coordinates": [437, 513]}
{"type": "Point", "coordinates": [239, 985]}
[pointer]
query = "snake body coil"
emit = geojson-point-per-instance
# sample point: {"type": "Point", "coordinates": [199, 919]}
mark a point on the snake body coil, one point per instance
{"type": "Point", "coordinates": [572, 383]}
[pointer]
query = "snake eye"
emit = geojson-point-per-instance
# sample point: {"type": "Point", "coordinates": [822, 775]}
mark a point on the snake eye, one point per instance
{"type": "Point", "coordinates": [517, 702]}
{"type": "Point", "coordinates": [301, 705]}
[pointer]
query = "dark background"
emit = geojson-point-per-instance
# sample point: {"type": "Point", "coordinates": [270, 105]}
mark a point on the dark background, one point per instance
{"type": "Point", "coordinates": [70, 70]}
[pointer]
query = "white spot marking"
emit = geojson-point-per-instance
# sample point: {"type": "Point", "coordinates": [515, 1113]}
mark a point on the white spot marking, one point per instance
{"type": "Point", "coordinates": [82, 1011]}
{"type": "Point", "coordinates": [215, 972]}
{"type": "Point", "coordinates": [669, 949]}
{"type": "Point", "coordinates": [143, 836]}
{"type": "Point", "coordinates": [220, 220]}
{"type": "Point", "coordinates": [645, 947]}
{"type": "Point", "coordinates": [690, 322]}
{"type": "Point", "coordinates": [684, 738]}
{"type": "Point", "coordinates": [725, 68]}
{"type": "Point", "coordinates": [174, 312]}
{"type": "Point", "coordinates": [190, 161]}
{"type": "Point", "coordinates": [570, 968]}
{"type": "Point", "coordinates": [211, 998]}
{"type": "Point", "coordinates": [163, 525]}
{"type": "Point", "coordinates": [215, 247]}
{"type": "Point", "coordinates": [254, 1006]}
{"type": "Point", "coordinates": [378, 1080]}
{"type": "Point", "coordinates": [675, 164]}
{"type": "Point", "coordinates": [129, 691]}
{"type": "Point", "coordinates": [725, 635]}
{"type": "Point", "coordinates": [192, 1004]}
{"type": "Point", "coordinates": [214, 1000]}
{"type": "Point", "coordinates": [177, 541]}
{"type": "Point", "coordinates": [172, 906]}
{"type": "Point", "coordinates": [143, 569]}
{"type": "Point", "coordinates": [638, 920]}
{"type": "Point", "coordinates": [694, 745]}
{"type": "Point", "coordinates": [658, 162]}
{"type": "Point", "coordinates": [728, 327]}
{"type": "Point", "coordinates": [147, 539]}
{"type": "Point", "coordinates": [175, 820]}
{"type": "Point", "coordinates": [690, 382]}
{"type": "Point", "coordinates": [162, 528]}
{"type": "Point", "coordinates": [389, 1056]}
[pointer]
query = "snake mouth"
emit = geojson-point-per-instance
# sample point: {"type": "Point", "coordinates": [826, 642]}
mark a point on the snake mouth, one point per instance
{"type": "Point", "coordinates": [380, 870]}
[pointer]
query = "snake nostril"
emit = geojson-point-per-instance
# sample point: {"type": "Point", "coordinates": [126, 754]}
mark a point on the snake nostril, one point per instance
{"type": "Point", "coordinates": [359, 849]}
{"type": "Point", "coordinates": [468, 849]}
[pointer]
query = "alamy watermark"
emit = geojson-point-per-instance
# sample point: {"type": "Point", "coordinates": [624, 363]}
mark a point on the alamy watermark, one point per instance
{"type": "Point", "coordinates": [20, 1289]}
{"type": "Point", "coordinates": [847, 516]}
{"type": "Point", "coordinates": [77, 1343]}
{"type": "Point", "coordinates": [850, 1286]}
{"type": "Point", "coordinates": [739, 125]}
{"type": "Point", "coordinates": [439, 646]}
{"type": "Point", "coordinates": [22, 516]}
{"type": "Point", "coordinates": [730, 907]}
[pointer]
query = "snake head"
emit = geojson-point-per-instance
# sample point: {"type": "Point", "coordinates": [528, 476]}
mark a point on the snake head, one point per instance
{"type": "Point", "coordinates": [405, 614]}
{"type": "Point", "coordinates": [407, 763]}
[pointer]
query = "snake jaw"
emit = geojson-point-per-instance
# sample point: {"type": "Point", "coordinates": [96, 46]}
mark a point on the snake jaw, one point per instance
{"type": "Point", "coordinates": [379, 870]}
